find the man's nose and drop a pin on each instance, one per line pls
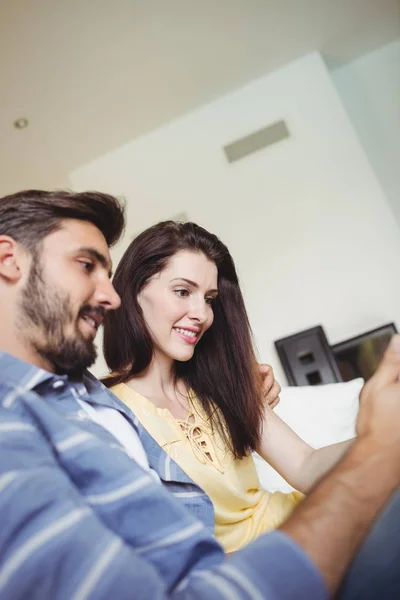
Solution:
(107, 296)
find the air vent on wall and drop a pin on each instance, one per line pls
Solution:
(258, 140)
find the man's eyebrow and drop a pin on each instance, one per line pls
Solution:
(192, 283)
(96, 255)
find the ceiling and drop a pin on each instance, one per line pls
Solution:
(91, 75)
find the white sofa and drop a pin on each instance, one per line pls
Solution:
(321, 415)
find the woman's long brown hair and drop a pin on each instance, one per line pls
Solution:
(223, 370)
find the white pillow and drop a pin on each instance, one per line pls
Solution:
(321, 415)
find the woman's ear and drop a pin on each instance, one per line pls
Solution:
(10, 255)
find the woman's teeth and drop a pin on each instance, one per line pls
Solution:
(186, 332)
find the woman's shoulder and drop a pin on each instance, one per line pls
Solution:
(128, 395)
(138, 403)
(121, 389)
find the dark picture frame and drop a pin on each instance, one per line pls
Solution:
(359, 356)
(307, 358)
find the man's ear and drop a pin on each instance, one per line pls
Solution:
(10, 258)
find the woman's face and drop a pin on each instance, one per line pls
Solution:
(177, 304)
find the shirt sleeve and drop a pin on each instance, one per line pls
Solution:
(81, 523)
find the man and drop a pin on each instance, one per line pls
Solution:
(79, 517)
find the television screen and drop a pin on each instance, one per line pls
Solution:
(360, 356)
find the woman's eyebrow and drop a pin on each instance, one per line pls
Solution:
(193, 284)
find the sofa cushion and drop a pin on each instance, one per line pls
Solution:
(321, 415)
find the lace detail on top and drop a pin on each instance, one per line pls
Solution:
(201, 442)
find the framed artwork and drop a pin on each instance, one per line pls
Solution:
(359, 356)
(307, 358)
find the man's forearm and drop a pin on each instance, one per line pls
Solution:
(332, 523)
(320, 462)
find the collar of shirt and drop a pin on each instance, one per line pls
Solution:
(28, 377)
(24, 375)
(87, 390)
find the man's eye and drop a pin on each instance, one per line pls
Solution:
(88, 266)
(182, 293)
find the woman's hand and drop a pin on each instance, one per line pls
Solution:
(270, 387)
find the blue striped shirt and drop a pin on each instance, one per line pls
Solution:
(79, 519)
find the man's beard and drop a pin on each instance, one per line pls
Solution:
(45, 315)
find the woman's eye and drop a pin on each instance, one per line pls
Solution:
(182, 293)
(210, 300)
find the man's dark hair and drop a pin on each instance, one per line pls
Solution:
(29, 216)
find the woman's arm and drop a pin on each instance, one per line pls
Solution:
(301, 465)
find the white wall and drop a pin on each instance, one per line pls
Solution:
(370, 91)
(306, 220)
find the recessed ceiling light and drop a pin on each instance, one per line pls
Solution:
(21, 123)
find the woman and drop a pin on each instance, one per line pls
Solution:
(182, 359)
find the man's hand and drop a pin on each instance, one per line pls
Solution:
(379, 414)
(270, 387)
(333, 520)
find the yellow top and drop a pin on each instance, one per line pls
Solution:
(242, 510)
